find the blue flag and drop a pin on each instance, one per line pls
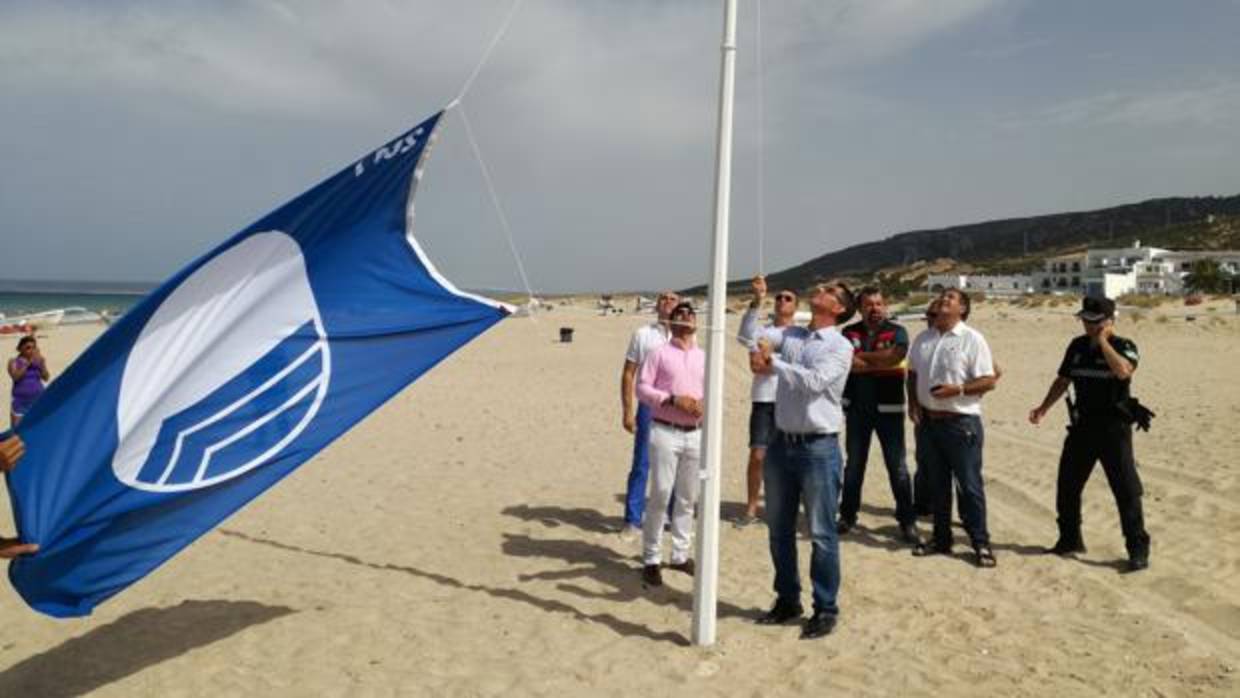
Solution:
(228, 376)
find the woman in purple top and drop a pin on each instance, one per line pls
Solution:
(28, 371)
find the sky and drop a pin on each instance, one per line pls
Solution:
(136, 135)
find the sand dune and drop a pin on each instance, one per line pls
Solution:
(461, 541)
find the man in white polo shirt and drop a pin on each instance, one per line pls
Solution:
(950, 368)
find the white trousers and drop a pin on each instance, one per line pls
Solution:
(675, 458)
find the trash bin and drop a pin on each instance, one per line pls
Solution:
(566, 334)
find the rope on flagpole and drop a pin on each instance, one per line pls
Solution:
(486, 55)
(499, 210)
(473, 144)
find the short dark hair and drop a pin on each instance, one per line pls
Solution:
(866, 292)
(28, 339)
(846, 298)
(964, 300)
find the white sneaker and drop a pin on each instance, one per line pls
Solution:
(630, 533)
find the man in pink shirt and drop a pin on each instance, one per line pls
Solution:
(672, 384)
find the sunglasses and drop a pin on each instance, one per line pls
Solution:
(785, 297)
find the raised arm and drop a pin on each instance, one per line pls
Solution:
(1121, 367)
(826, 368)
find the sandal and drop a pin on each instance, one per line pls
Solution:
(984, 557)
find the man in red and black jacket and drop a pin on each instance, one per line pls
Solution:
(874, 402)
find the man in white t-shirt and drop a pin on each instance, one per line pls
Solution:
(950, 368)
(636, 417)
(762, 396)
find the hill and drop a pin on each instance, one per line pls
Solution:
(1019, 244)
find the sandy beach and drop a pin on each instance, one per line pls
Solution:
(463, 541)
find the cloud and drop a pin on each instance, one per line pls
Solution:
(1010, 50)
(596, 118)
(1208, 104)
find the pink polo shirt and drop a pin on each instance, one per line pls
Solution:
(672, 369)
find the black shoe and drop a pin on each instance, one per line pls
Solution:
(1066, 547)
(687, 567)
(1138, 562)
(844, 526)
(782, 612)
(818, 625)
(651, 576)
(909, 534)
(924, 549)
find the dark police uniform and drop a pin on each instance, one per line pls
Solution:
(1098, 432)
(874, 402)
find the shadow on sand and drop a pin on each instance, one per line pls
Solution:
(130, 644)
(598, 562)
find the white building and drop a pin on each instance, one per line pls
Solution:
(1109, 272)
(989, 284)
(1062, 274)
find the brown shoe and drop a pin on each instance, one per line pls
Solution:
(651, 576)
(687, 567)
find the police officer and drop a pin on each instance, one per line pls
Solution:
(1099, 366)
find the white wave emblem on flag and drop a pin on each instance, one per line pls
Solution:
(230, 369)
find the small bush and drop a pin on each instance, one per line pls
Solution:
(1161, 319)
(1141, 300)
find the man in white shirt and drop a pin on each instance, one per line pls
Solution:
(762, 399)
(635, 416)
(950, 368)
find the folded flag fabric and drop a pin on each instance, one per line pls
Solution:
(231, 374)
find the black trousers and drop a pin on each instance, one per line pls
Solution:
(1110, 441)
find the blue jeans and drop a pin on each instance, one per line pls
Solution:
(890, 427)
(953, 447)
(805, 473)
(635, 492)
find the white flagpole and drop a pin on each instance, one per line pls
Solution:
(706, 580)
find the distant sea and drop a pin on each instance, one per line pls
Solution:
(21, 297)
